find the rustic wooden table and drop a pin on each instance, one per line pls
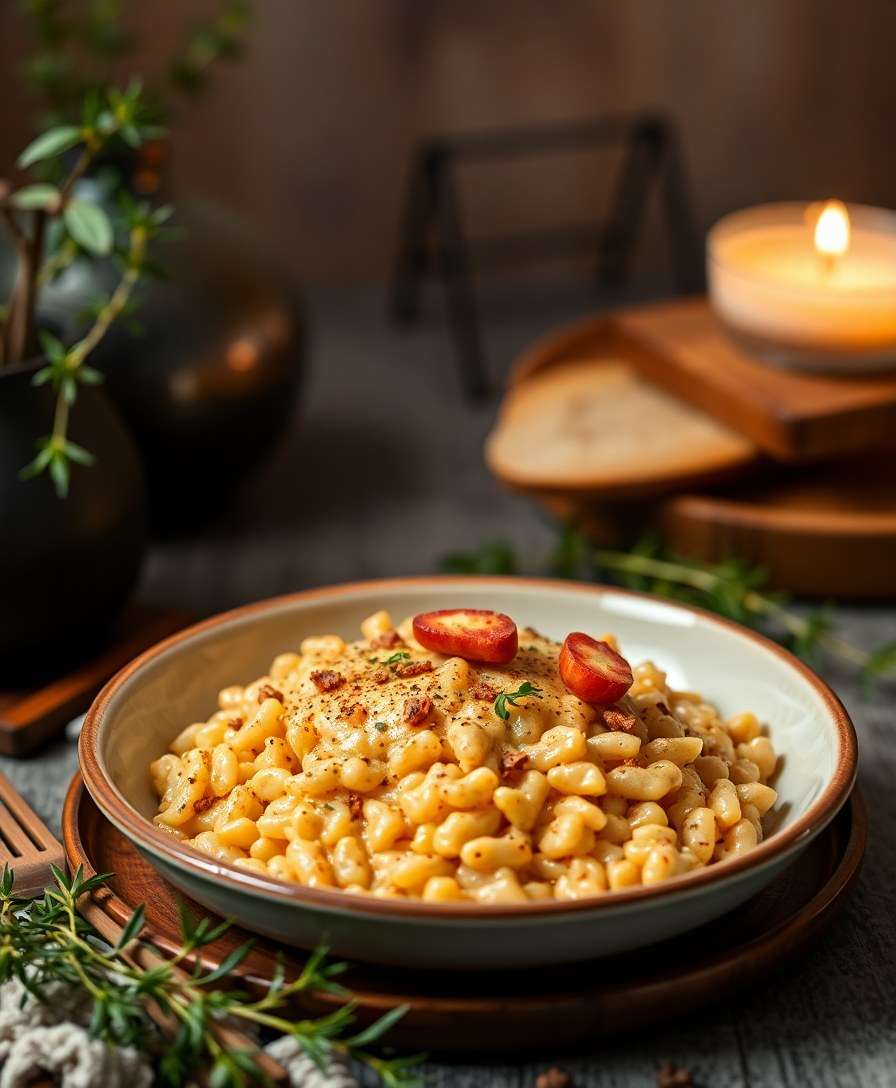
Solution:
(382, 474)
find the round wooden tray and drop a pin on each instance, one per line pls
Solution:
(828, 530)
(823, 529)
(521, 1010)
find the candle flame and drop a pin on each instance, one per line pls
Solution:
(832, 229)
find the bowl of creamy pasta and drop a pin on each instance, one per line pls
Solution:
(468, 772)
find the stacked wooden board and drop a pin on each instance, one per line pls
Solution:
(654, 417)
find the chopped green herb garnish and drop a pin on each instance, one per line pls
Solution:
(380, 727)
(401, 655)
(510, 697)
(373, 660)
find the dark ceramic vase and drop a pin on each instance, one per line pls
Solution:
(211, 383)
(67, 566)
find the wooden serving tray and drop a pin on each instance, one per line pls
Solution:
(527, 1010)
(829, 531)
(794, 416)
(825, 529)
(29, 716)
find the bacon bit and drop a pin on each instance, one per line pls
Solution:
(413, 668)
(513, 763)
(380, 676)
(483, 691)
(671, 1076)
(267, 691)
(387, 641)
(619, 720)
(327, 680)
(355, 805)
(355, 713)
(202, 804)
(554, 1078)
(417, 709)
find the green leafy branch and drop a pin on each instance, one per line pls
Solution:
(219, 38)
(48, 941)
(731, 588)
(86, 227)
(77, 44)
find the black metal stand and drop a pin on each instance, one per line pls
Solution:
(433, 238)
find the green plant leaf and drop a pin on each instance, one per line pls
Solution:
(78, 454)
(52, 346)
(52, 142)
(493, 557)
(39, 195)
(881, 663)
(89, 225)
(88, 375)
(374, 1031)
(59, 473)
(40, 462)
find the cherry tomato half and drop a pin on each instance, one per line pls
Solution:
(471, 633)
(593, 670)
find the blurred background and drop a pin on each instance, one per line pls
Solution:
(291, 432)
(309, 137)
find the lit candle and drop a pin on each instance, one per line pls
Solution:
(812, 287)
(832, 234)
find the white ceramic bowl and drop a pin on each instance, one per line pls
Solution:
(146, 704)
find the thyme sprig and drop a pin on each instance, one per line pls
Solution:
(510, 698)
(47, 941)
(731, 588)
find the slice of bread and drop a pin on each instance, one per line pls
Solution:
(594, 425)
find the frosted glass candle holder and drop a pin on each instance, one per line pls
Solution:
(794, 306)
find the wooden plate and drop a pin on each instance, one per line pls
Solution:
(31, 714)
(827, 531)
(794, 416)
(541, 1009)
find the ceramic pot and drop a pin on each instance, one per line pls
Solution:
(67, 566)
(210, 384)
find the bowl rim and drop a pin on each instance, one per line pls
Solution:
(145, 835)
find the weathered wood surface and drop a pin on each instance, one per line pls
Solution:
(383, 474)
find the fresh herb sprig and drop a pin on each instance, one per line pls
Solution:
(47, 941)
(398, 656)
(731, 588)
(509, 698)
(81, 227)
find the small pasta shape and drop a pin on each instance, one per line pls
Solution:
(381, 768)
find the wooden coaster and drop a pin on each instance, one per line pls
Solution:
(792, 416)
(28, 717)
(578, 421)
(518, 1011)
(826, 531)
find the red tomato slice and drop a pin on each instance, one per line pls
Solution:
(593, 670)
(472, 633)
